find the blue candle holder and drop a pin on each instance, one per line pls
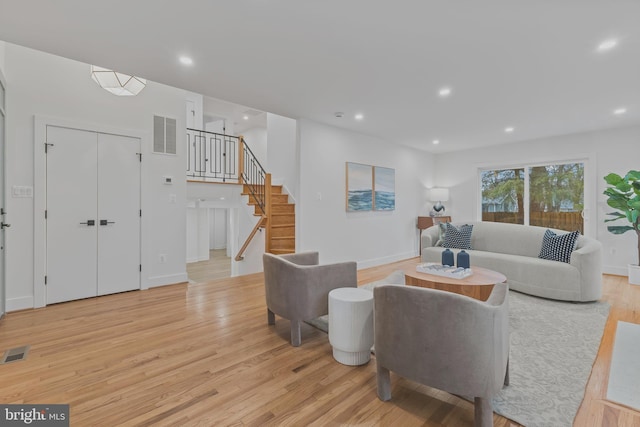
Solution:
(447, 257)
(463, 260)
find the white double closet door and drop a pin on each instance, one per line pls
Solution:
(93, 214)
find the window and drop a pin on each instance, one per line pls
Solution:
(553, 195)
(503, 195)
(556, 196)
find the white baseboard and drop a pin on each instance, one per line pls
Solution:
(170, 279)
(22, 303)
(386, 260)
(617, 270)
(197, 259)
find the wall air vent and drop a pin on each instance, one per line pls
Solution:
(164, 135)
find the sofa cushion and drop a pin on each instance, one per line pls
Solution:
(458, 237)
(442, 231)
(558, 247)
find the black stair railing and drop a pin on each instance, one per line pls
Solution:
(254, 176)
(212, 156)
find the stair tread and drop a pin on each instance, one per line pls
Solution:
(282, 225)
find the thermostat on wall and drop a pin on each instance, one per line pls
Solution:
(168, 180)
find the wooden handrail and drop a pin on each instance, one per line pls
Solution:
(259, 224)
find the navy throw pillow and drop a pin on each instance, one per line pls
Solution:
(458, 237)
(558, 247)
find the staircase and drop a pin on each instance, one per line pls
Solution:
(281, 222)
(219, 158)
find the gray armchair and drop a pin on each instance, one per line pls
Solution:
(297, 288)
(443, 340)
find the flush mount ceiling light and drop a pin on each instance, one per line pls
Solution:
(444, 92)
(185, 60)
(619, 111)
(245, 117)
(359, 116)
(117, 83)
(509, 129)
(435, 142)
(607, 45)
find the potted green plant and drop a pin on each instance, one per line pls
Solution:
(624, 196)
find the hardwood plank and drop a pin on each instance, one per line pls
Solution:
(203, 354)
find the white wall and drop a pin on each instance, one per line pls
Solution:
(256, 139)
(194, 109)
(282, 152)
(616, 150)
(197, 233)
(370, 238)
(2, 50)
(192, 234)
(218, 228)
(45, 85)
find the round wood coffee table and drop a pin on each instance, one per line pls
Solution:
(479, 285)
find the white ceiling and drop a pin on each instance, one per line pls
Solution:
(530, 64)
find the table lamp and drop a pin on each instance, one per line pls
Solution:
(438, 195)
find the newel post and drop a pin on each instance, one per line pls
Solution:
(240, 159)
(267, 212)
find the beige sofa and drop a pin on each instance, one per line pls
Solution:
(513, 249)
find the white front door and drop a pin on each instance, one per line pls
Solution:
(93, 222)
(3, 295)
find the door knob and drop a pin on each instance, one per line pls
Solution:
(4, 225)
(105, 222)
(90, 222)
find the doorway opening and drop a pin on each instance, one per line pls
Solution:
(208, 251)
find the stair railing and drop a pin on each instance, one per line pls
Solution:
(253, 175)
(258, 182)
(212, 156)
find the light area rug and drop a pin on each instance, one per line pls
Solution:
(624, 375)
(553, 347)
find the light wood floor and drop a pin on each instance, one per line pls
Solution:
(203, 354)
(218, 266)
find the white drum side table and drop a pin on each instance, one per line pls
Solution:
(351, 325)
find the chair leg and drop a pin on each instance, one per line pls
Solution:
(271, 317)
(483, 412)
(384, 383)
(506, 375)
(296, 338)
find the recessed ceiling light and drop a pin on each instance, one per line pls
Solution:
(359, 116)
(221, 198)
(444, 92)
(185, 60)
(435, 142)
(509, 129)
(245, 117)
(339, 114)
(619, 111)
(607, 45)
